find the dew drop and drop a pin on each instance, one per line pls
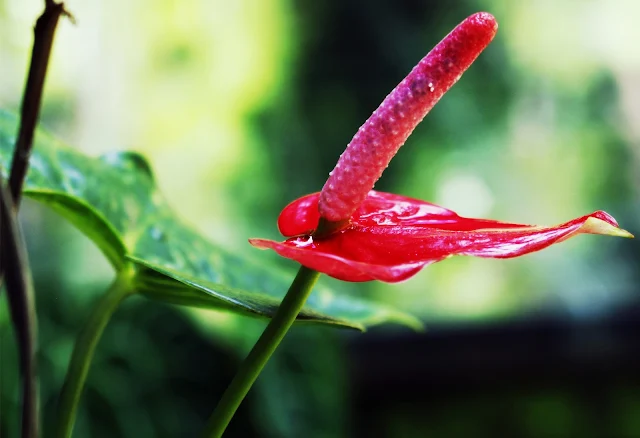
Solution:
(156, 233)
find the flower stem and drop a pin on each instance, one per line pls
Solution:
(263, 349)
(83, 353)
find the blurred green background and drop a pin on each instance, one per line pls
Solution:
(243, 106)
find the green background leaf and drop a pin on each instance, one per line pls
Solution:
(113, 200)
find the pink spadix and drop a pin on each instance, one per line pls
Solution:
(378, 140)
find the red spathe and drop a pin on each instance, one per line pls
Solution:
(391, 237)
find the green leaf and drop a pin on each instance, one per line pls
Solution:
(113, 200)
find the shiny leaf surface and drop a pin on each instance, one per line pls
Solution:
(114, 201)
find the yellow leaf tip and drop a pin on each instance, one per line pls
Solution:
(597, 226)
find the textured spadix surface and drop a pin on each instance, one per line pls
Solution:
(378, 140)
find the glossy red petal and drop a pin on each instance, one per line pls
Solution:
(306, 252)
(392, 237)
(300, 216)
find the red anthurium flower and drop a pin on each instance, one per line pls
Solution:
(391, 237)
(353, 233)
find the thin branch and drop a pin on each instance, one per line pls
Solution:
(14, 263)
(13, 260)
(32, 97)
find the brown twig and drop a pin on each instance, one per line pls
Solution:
(14, 264)
(32, 97)
(13, 261)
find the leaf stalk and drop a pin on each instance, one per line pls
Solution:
(84, 349)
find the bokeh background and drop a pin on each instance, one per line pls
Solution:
(243, 106)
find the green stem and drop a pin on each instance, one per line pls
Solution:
(83, 353)
(263, 349)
